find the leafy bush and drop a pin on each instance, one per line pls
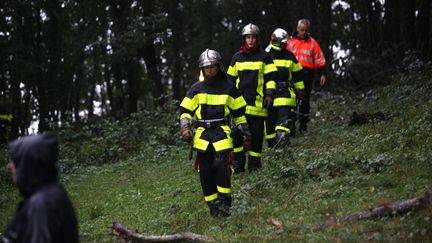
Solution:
(102, 141)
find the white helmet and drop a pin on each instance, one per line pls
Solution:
(210, 57)
(279, 36)
(250, 29)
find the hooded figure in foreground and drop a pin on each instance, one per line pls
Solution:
(45, 213)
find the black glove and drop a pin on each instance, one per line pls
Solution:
(300, 94)
(268, 101)
(247, 136)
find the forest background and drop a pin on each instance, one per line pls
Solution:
(68, 62)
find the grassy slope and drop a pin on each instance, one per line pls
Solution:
(333, 170)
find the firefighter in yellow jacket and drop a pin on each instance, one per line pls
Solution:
(213, 101)
(252, 71)
(280, 123)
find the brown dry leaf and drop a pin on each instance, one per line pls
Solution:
(276, 223)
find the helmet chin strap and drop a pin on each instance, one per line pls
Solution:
(201, 76)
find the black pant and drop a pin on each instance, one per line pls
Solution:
(305, 105)
(215, 171)
(256, 127)
(280, 116)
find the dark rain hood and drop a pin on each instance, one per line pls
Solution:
(35, 159)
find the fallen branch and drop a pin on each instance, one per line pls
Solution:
(129, 235)
(386, 210)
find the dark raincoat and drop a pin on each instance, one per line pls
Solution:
(45, 213)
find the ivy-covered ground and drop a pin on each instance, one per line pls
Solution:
(136, 172)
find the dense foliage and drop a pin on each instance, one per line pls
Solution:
(69, 61)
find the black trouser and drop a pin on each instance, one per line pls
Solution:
(256, 127)
(305, 105)
(270, 125)
(281, 116)
(215, 176)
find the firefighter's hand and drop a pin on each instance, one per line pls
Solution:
(268, 101)
(247, 143)
(187, 135)
(323, 80)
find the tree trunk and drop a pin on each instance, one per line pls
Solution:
(177, 63)
(408, 25)
(325, 27)
(40, 79)
(149, 53)
(391, 21)
(423, 29)
(109, 89)
(16, 107)
(132, 73)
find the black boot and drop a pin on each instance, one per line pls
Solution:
(214, 207)
(254, 163)
(225, 205)
(303, 127)
(292, 127)
(239, 163)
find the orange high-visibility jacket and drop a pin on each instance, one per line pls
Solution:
(307, 51)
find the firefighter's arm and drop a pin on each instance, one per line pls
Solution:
(232, 72)
(185, 127)
(298, 77)
(269, 72)
(187, 108)
(237, 105)
(322, 72)
(320, 63)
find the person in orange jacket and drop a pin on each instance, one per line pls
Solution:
(309, 54)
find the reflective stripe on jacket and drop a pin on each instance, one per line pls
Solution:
(307, 51)
(289, 76)
(253, 75)
(213, 101)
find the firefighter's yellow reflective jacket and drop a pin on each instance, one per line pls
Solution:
(253, 76)
(288, 77)
(214, 101)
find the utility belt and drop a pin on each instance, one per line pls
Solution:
(211, 123)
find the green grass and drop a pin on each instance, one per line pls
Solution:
(332, 170)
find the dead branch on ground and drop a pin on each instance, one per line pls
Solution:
(385, 210)
(129, 235)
